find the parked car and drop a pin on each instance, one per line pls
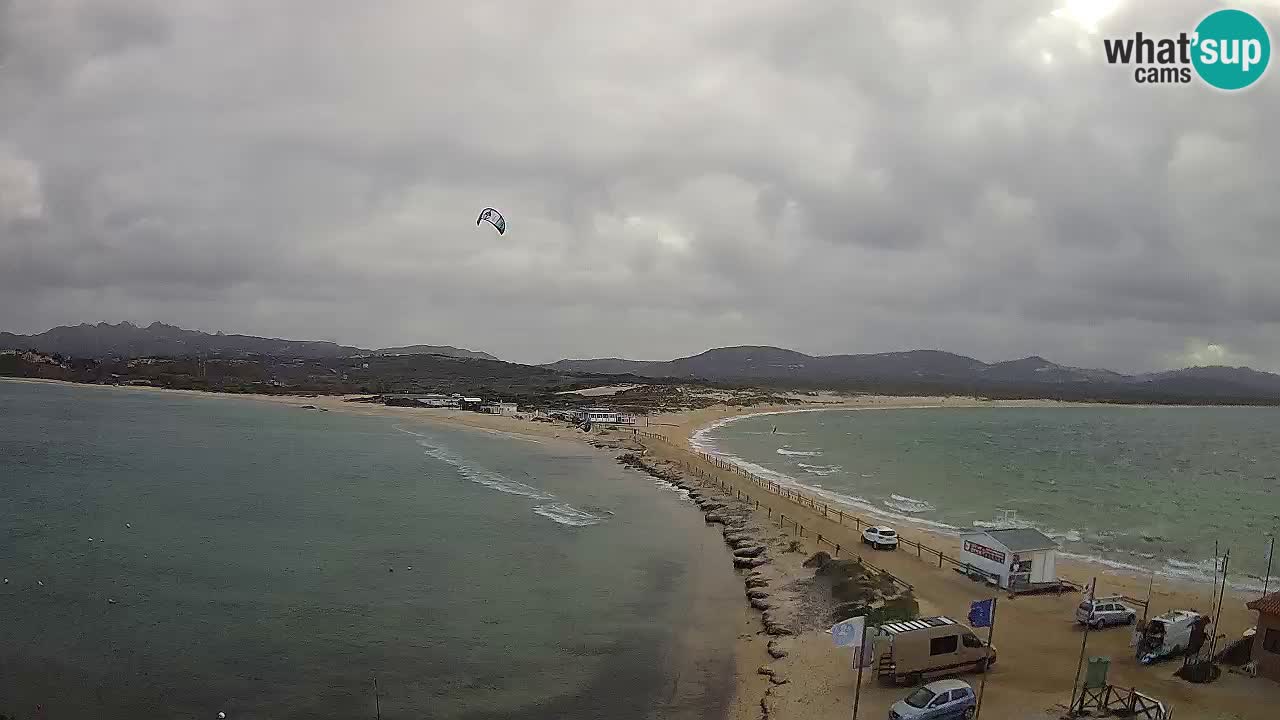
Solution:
(939, 700)
(880, 538)
(1101, 612)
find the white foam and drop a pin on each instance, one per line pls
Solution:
(821, 470)
(905, 504)
(784, 450)
(566, 514)
(487, 478)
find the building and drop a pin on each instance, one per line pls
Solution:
(470, 403)
(602, 416)
(499, 408)
(1015, 558)
(1266, 641)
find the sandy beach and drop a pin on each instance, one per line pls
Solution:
(1038, 640)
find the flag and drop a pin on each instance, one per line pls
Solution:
(980, 612)
(848, 633)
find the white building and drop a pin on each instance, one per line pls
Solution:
(1017, 557)
(498, 408)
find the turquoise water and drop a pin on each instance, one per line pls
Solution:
(269, 562)
(1145, 488)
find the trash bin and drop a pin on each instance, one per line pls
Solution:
(1095, 675)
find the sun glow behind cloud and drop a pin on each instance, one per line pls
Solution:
(1086, 13)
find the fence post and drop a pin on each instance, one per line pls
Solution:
(837, 549)
(919, 552)
(939, 558)
(781, 518)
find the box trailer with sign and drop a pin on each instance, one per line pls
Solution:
(1015, 559)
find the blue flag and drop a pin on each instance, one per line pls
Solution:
(980, 612)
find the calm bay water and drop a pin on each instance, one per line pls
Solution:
(269, 561)
(1149, 488)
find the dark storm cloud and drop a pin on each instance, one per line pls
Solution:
(823, 175)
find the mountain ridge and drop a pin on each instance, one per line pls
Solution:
(126, 340)
(768, 363)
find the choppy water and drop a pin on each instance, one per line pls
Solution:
(249, 549)
(1146, 488)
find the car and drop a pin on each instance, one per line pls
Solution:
(880, 538)
(939, 700)
(1101, 612)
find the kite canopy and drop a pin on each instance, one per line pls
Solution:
(494, 218)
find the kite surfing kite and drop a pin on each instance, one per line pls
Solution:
(495, 218)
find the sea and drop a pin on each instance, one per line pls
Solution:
(179, 556)
(1165, 490)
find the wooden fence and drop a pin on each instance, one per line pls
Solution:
(834, 514)
(1123, 702)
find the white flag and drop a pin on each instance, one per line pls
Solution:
(848, 633)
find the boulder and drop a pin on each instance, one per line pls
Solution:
(776, 651)
(817, 560)
(749, 562)
(749, 552)
(758, 582)
(759, 604)
(844, 568)
(775, 676)
(756, 593)
(844, 611)
(745, 542)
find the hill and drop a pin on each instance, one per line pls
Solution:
(126, 340)
(935, 371)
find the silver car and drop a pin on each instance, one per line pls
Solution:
(1101, 612)
(939, 700)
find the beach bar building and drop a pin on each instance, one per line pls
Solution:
(1013, 558)
(1266, 640)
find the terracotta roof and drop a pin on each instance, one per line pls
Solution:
(1269, 604)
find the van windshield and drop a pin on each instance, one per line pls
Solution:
(920, 697)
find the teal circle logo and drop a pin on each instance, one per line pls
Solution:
(1232, 49)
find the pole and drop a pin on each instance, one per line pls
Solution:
(1271, 551)
(377, 701)
(1151, 584)
(1213, 644)
(986, 665)
(862, 653)
(1084, 642)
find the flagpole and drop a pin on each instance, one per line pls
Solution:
(862, 653)
(1093, 586)
(986, 665)
(1266, 584)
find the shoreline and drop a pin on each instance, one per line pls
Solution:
(698, 442)
(1040, 674)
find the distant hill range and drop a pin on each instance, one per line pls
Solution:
(126, 340)
(935, 371)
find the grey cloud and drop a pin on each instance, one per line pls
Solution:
(823, 175)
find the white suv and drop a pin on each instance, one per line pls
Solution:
(880, 538)
(1101, 612)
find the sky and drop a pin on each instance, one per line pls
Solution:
(824, 175)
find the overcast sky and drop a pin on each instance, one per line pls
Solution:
(828, 176)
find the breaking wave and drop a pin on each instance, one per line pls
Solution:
(566, 514)
(785, 450)
(905, 504)
(821, 470)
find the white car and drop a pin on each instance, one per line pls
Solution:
(880, 538)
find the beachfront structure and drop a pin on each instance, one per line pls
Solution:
(1266, 640)
(499, 408)
(602, 416)
(470, 403)
(1013, 558)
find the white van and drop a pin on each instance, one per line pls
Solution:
(914, 649)
(1173, 633)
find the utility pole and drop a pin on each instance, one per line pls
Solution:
(986, 665)
(1084, 642)
(862, 655)
(377, 701)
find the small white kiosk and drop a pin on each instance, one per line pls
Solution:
(1015, 558)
